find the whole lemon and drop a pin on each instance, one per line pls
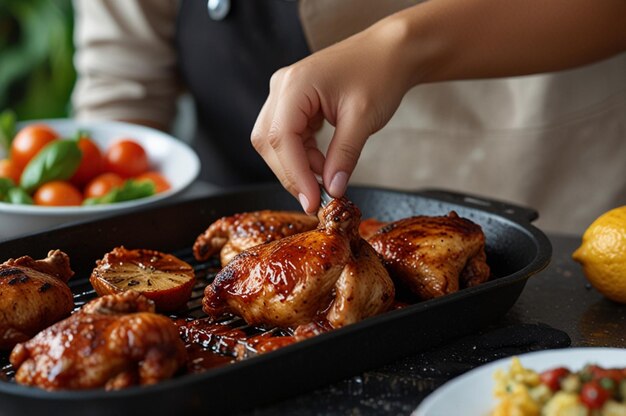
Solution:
(603, 254)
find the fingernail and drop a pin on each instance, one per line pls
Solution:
(338, 184)
(304, 201)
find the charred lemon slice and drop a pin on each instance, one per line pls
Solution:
(162, 277)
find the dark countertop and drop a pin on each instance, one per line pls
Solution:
(561, 297)
(558, 297)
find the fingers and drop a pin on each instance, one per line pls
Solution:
(315, 156)
(351, 133)
(283, 136)
(288, 138)
(286, 141)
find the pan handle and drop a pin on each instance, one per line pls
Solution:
(500, 207)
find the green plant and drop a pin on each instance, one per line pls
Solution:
(36, 51)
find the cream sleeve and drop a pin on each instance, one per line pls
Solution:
(125, 60)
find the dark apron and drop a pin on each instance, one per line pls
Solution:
(226, 65)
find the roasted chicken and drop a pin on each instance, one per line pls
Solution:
(370, 226)
(33, 295)
(329, 274)
(230, 236)
(114, 341)
(433, 255)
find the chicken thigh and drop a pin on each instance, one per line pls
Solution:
(328, 274)
(433, 255)
(114, 342)
(33, 295)
(231, 235)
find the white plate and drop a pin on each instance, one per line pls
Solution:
(174, 159)
(471, 394)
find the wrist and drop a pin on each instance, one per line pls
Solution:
(418, 51)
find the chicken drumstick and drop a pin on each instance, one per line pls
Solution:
(329, 273)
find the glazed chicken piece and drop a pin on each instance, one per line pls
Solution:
(236, 233)
(33, 295)
(433, 255)
(329, 273)
(370, 226)
(114, 342)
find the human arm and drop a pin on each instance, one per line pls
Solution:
(358, 83)
(126, 61)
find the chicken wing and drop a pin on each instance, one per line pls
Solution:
(114, 342)
(433, 255)
(33, 295)
(328, 273)
(231, 235)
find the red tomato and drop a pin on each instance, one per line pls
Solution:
(8, 169)
(29, 141)
(593, 395)
(91, 163)
(58, 193)
(552, 378)
(598, 372)
(160, 183)
(102, 184)
(126, 158)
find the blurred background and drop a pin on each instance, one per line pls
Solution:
(36, 50)
(36, 63)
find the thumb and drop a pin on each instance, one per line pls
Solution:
(343, 153)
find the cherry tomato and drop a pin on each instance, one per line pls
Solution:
(160, 183)
(91, 163)
(58, 193)
(29, 141)
(127, 158)
(593, 395)
(600, 372)
(102, 184)
(552, 378)
(8, 169)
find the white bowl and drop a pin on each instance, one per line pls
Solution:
(174, 159)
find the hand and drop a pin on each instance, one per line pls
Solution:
(356, 85)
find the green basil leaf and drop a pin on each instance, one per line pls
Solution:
(134, 190)
(19, 196)
(7, 129)
(5, 185)
(130, 190)
(56, 161)
(13, 194)
(80, 134)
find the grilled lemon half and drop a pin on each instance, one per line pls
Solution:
(161, 277)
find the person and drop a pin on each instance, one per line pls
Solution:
(522, 101)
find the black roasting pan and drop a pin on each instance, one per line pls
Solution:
(516, 250)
